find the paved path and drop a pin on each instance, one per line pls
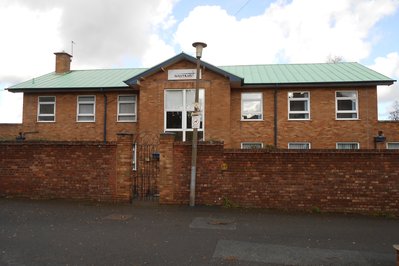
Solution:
(71, 233)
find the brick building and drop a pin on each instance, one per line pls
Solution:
(318, 106)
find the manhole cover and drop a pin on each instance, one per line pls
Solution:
(117, 217)
(213, 223)
(220, 222)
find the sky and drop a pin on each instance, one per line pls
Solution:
(130, 34)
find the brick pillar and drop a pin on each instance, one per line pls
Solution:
(396, 247)
(124, 157)
(166, 173)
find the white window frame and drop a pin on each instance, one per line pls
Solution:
(48, 115)
(356, 98)
(86, 102)
(291, 144)
(134, 101)
(307, 112)
(246, 113)
(251, 143)
(393, 142)
(184, 111)
(346, 143)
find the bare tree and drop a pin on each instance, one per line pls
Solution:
(394, 115)
(334, 59)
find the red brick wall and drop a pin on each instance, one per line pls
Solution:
(9, 131)
(66, 128)
(326, 180)
(73, 170)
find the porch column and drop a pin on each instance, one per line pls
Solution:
(166, 173)
(124, 157)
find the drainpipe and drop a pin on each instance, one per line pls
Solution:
(105, 118)
(275, 117)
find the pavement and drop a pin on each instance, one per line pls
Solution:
(75, 233)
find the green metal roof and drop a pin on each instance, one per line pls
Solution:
(306, 73)
(97, 78)
(259, 75)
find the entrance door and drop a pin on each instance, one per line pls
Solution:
(146, 166)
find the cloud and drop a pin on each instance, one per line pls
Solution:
(389, 66)
(287, 31)
(10, 107)
(107, 33)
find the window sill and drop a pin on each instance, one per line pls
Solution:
(347, 119)
(126, 121)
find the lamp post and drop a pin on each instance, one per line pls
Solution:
(195, 116)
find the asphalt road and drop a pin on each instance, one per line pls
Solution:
(73, 233)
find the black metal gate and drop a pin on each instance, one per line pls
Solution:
(146, 166)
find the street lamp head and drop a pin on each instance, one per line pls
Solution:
(199, 46)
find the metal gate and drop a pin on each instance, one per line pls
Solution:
(145, 166)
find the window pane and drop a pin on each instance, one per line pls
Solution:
(254, 145)
(46, 118)
(86, 108)
(299, 116)
(351, 94)
(299, 146)
(46, 109)
(393, 145)
(190, 99)
(46, 99)
(86, 99)
(174, 99)
(126, 118)
(346, 105)
(251, 106)
(174, 120)
(298, 106)
(86, 118)
(127, 98)
(298, 95)
(346, 115)
(126, 108)
(251, 96)
(348, 146)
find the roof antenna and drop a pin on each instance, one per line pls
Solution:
(72, 43)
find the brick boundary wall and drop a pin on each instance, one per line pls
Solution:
(67, 170)
(364, 181)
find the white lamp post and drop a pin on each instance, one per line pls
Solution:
(198, 46)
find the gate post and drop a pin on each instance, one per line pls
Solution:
(166, 178)
(124, 167)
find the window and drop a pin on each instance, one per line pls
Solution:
(299, 145)
(251, 106)
(127, 108)
(347, 145)
(86, 108)
(179, 105)
(346, 105)
(298, 105)
(393, 145)
(251, 145)
(46, 109)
